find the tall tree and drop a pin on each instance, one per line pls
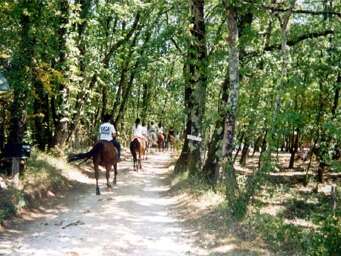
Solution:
(230, 118)
(195, 92)
(20, 74)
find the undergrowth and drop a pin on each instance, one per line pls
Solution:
(304, 225)
(40, 178)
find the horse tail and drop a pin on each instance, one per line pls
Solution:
(134, 145)
(96, 149)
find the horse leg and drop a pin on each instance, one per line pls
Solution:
(135, 165)
(139, 161)
(144, 153)
(107, 175)
(96, 176)
(115, 173)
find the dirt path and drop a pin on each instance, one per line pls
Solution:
(132, 219)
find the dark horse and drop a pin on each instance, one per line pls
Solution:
(138, 150)
(161, 141)
(171, 142)
(104, 154)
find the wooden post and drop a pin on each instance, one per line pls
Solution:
(333, 194)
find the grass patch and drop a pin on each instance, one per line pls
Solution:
(41, 179)
(291, 239)
(43, 176)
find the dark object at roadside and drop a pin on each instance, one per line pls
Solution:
(11, 153)
(17, 150)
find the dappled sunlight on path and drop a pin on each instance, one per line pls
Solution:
(131, 219)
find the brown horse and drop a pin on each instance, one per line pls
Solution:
(103, 153)
(161, 141)
(171, 142)
(137, 148)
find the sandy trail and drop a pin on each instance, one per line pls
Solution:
(132, 219)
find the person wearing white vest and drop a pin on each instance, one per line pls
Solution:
(107, 132)
(138, 129)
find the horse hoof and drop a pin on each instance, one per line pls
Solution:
(97, 192)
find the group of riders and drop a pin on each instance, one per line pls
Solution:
(148, 136)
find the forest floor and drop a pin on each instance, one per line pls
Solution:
(286, 216)
(139, 216)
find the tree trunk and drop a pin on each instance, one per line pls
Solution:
(121, 111)
(104, 102)
(20, 76)
(244, 155)
(254, 181)
(181, 163)
(2, 126)
(93, 80)
(145, 101)
(60, 100)
(293, 148)
(239, 147)
(41, 108)
(230, 118)
(214, 155)
(197, 78)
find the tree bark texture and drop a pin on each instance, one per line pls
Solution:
(197, 78)
(231, 111)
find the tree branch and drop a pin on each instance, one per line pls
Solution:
(278, 9)
(115, 46)
(294, 41)
(291, 42)
(275, 9)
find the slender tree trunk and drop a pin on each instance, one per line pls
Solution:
(239, 147)
(263, 147)
(60, 100)
(41, 110)
(181, 164)
(244, 154)
(20, 76)
(104, 101)
(2, 125)
(337, 147)
(93, 80)
(214, 155)
(145, 101)
(253, 182)
(293, 148)
(120, 115)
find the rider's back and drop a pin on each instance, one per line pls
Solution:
(106, 131)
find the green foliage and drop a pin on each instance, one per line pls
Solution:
(279, 235)
(76, 61)
(8, 200)
(327, 238)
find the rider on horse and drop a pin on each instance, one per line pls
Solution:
(171, 132)
(160, 129)
(138, 131)
(144, 130)
(160, 137)
(107, 132)
(152, 135)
